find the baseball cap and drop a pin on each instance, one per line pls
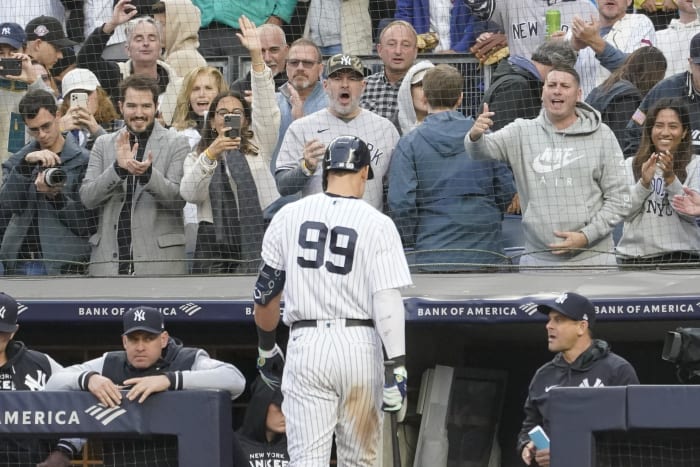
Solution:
(8, 313)
(344, 62)
(79, 78)
(695, 49)
(13, 35)
(418, 76)
(143, 318)
(48, 29)
(571, 305)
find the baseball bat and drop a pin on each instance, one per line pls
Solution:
(395, 452)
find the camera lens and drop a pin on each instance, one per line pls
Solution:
(54, 177)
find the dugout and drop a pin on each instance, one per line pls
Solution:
(461, 320)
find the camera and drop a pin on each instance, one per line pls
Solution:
(682, 347)
(54, 177)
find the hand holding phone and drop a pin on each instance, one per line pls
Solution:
(539, 438)
(10, 67)
(78, 99)
(232, 121)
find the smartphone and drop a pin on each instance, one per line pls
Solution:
(233, 121)
(78, 99)
(10, 66)
(539, 438)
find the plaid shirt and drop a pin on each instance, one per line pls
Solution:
(380, 96)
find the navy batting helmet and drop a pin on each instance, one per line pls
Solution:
(347, 153)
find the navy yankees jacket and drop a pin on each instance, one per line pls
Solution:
(596, 367)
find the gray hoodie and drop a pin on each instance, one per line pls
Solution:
(568, 180)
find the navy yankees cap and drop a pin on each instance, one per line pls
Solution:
(143, 318)
(13, 35)
(571, 305)
(8, 313)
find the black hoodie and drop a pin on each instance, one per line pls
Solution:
(596, 367)
(253, 449)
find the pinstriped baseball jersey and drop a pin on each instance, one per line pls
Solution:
(378, 132)
(337, 252)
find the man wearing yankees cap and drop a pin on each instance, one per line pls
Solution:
(152, 361)
(580, 361)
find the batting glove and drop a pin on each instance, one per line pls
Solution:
(395, 391)
(270, 365)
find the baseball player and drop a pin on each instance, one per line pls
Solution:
(345, 264)
(298, 164)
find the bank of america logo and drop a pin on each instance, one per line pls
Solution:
(190, 308)
(21, 308)
(529, 308)
(104, 414)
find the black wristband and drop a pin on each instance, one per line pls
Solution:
(175, 378)
(84, 379)
(67, 448)
(399, 361)
(267, 339)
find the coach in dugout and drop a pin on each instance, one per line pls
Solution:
(151, 362)
(581, 361)
(22, 369)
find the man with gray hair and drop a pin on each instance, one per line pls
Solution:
(516, 84)
(143, 47)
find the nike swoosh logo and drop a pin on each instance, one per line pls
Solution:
(321, 131)
(554, 159)
(549, 388)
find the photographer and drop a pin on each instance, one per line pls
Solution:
(48, 228)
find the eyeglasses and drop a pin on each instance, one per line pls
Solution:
(305, 63)
(45, 128)
(224, 112)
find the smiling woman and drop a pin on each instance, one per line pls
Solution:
(664, 164)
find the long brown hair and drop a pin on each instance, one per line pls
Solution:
(683, 153)
(184, 117)
(209, 135)
(644, 67)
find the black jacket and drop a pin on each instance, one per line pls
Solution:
(596, 367)
(514, 93)
(616, 105)
(24, 370)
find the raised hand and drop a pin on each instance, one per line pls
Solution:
(123, 12)
(482, 124)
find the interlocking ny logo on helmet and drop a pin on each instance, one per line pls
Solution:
(348, 153)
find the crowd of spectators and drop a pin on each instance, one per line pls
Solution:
(164, 167)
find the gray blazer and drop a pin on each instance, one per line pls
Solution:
(157, 228)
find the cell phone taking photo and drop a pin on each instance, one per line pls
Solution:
(78, 99)
(233, 122)
(10, 67)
